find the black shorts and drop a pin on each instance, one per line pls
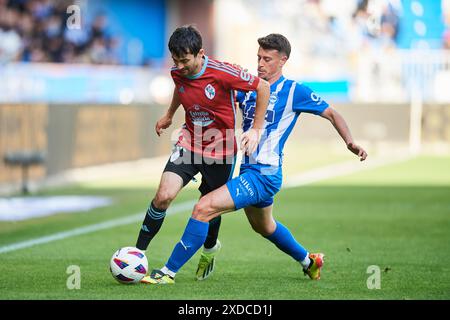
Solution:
(186, 164)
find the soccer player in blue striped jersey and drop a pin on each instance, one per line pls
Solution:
(260, 175)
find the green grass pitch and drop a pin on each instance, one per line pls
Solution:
(395, 217)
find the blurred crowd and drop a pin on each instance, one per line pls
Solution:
(368, 24)
(35, 31)
(361, 24)
(378, 21)
(446, 8)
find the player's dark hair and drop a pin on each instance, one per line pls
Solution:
(275, 41)
(184, 40)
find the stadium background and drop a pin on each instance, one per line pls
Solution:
(83, 103)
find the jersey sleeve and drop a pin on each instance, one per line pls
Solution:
(174, 76)
(305, 100)
(237, 79)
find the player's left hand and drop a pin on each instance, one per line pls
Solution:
(359, 151)
(250, 140)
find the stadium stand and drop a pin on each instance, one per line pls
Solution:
(35, 31)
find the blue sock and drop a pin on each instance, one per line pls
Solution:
(284, 240)
(193, 238)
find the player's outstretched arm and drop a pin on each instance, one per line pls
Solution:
(341, 127)
(250, 138)
(166, 120)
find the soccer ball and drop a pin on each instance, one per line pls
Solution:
(128, 265)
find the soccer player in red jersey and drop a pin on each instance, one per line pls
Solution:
(205, 87)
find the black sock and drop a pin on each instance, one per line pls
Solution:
(152, 223)
(213, 232)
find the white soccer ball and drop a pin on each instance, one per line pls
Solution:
(129, 265)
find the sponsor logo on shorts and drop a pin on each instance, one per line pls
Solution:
(247, 186)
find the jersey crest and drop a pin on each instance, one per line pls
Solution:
(210, 92)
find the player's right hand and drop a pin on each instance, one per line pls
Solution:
(162, 124)
(250, 140)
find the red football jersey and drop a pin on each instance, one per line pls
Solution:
(208, 99)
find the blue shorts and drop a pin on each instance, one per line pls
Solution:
(255, 186)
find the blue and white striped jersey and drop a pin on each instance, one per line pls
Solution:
(288, 99)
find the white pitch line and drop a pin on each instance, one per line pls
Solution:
(341, 169)
(312, 176)
(187, 205)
